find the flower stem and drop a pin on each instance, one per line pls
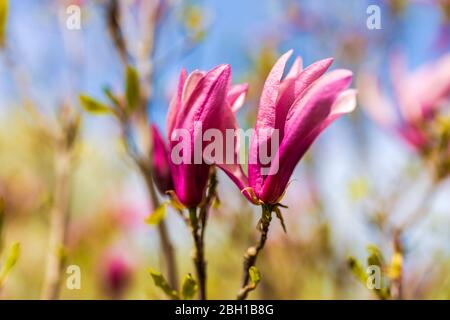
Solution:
(252, 253)
(199, 253)
(198, 227)
(58, 226)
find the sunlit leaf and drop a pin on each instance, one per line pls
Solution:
(396, 266)
(93, 106)
(216, 203)
(161, 283)
(132, 91)
(255, 275)
(357, 269)
(189, 287)
(375, 256)
(3, 20)
(157, 216)
(10, 261)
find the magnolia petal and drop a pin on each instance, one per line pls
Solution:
(235, 173)
(265, 119)
(175, 104)
(324, 90)
(375, 103)
(236, 96)
(160, 162)
(190, 181)
(405, 88)
(191, 83)
(433, 84)
(317, 109)
(344, 103)
(296, 68)
(269, 96)
(292, 88)
(203, 105)
(308, 76)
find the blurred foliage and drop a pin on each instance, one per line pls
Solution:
(189, 287)
(109, 206)
(3, 20)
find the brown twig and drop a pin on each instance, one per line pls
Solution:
(396, 285)
(167, 247)
(63, 162)
(252, 253)
(199, 254)
(58, 224)
(143, 160)
(198, 227)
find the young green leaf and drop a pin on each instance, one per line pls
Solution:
(189, 287)
(357, 269)
(255, 275)
(161, 283)
(132, 90)
(395, 268)
(157, 216)
(93, 106)
(375, 256)
(11, 260)
(3, 21)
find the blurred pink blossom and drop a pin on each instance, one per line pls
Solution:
(418, 96)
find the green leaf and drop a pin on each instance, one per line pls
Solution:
(161, 283)
(93, 106)
(157, 216)
(3, 21)
(132, 90)
(189, 287)
(11, 260)
(375, 257)
(255, 275)
(357, 269)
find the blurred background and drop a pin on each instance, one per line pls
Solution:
(357, 183)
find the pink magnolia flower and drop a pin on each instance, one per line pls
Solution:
(208, 99)
(161, 167)
(418, 96)
(299, 107)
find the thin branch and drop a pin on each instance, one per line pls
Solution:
(143, 160)
(198, 227)
(252, 253)
(59, 216)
